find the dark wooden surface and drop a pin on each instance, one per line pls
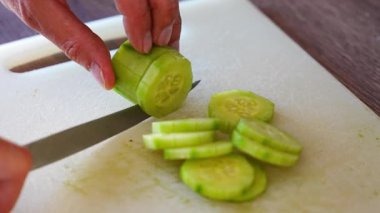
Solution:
(342, 35)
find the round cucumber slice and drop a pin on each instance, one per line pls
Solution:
(230, 106)
(202, 151)
(258, 187)
(185, 125)
(130, 66)
(269, 135)
(165, 85)
(220, 178)
(262, 152)
(176, 140)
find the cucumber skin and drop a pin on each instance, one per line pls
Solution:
(130, 66)
(154, 76)
(263, 153)
(225, 192)
(185, 125)
(200, 151)
(258, 187)
(158, 141)
(264, 112)
(244, 128)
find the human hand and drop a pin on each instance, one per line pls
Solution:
(146, 22)
(15, 163)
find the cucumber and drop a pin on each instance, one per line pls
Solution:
(262, 152)
(220, 178)
(230, 106)
(130, 66)
(176, 140)
(185, 125)
(269, 135)
(257, 188)
(202, 151)
(165, 85)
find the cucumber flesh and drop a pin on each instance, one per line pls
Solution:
(269, 135)
(185, 125)
(130, 66)
(258, 187)
(165, 85)
(220, 178)
(176, 140)
(262, 152)
(230, 106)
(202, 151)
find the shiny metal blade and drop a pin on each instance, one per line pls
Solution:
(75, 139)
(60, 145)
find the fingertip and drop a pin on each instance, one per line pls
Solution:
(147, 43)
(175, 45)
(28, 161)
(164, 37)
(109, 80)
(104, 75)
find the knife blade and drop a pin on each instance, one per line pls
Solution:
(70, 141)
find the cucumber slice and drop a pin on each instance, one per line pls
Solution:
(203, 151)
(262, 152)
(258, 187)
(269, 135)
(220, 178)
(185, 125)
(230, 106)
(130, 66)
(165, 85)
(176, 140)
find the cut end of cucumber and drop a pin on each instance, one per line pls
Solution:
(158, 81)
(130, 66)
(258, 187)
(230, 106)
(220, 178)
(165, 85)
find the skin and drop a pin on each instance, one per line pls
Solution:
(15, 163)
(146, 23)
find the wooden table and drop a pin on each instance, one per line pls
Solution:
(343, 35)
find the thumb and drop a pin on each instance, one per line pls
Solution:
(15, 163)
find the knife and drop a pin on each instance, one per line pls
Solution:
(70, 141)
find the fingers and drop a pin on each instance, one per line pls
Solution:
(174, 40)
(149, 22)
(15, 163)
(166, 21)
(55, 21)
(137, 23)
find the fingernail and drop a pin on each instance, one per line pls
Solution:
(147, 43)
(98, 74)
(175, 45)
(165, 35)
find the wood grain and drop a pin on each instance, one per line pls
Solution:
(342, 35)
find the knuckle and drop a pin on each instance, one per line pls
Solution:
(72, 49)
(168, 6)
(25, 11)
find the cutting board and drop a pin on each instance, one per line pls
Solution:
(231, 46)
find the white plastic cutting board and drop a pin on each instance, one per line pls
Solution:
(231, 46)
